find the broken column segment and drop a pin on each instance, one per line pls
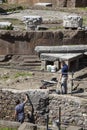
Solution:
(32, 21)
(72, 21)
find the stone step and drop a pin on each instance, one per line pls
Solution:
(74, 128)
(4, 63)
(30, 56)
(30, 64)
(28, 61)
(24, 58)
(31, 61)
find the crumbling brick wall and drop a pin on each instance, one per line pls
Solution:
(71, 3)
(60, 3)
(19, 1)
(12, 42)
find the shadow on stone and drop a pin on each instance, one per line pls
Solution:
(80, 90)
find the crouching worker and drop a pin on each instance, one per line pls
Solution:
(19, 110)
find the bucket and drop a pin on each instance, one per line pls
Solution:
(49, 68)
(53, 68)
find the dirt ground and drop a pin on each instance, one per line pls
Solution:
(25, 79)
(13, 79)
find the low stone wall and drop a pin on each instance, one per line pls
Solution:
(9, 124)
(39, 102)
(19, 126)
(73, 109)
(15, 42)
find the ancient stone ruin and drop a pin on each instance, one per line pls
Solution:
(72, 21)
(60, 3)
(6, 25)
(54, 54)
(32, 22)
(73, 109)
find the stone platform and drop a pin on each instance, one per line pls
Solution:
(54, 54)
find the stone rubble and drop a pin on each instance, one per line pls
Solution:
(72, 108)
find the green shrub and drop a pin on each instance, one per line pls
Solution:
(9, 27)
(4, 1)
(14, 8)
(23, 74)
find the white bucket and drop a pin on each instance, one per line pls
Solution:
(49, 68)
(53, 68)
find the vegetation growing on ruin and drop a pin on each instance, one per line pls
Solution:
(10, 7)
(16, 75)
(14, 21)
(5, 77)
(7, 28)
(23, 74)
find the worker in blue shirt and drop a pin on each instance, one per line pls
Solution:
(19, 110)
(64, 77)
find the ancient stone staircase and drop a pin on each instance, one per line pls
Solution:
(26, 61)
(4, 60)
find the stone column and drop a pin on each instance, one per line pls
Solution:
(56, 63)
(43, 64)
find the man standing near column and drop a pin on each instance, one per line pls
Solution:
(64, 77)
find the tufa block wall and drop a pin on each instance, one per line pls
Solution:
(17, 42)
(60, 3)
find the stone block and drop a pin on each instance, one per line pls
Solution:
(27, 126)
(41, 127)
(74, 128)
(72, 21)
(61, 3)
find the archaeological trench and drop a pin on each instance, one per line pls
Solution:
(13, 45)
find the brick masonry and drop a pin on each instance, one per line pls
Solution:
(25, 42)
(61, 3)
(73, 109)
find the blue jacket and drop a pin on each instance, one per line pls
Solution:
(64, 70)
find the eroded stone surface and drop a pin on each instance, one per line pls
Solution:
(71, 107)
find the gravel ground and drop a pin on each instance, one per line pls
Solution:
(46, 14)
